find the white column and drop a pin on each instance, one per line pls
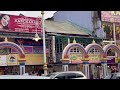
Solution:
(104, 69)
(119, 66)
(65, 68)
(53, 49)
(93, 68)
(86, 69)
(22, 68)
(114, 35)
(68, 40)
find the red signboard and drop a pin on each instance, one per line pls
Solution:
(110, 16)
(23, 24)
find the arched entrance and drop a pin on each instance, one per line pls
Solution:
(95, 53)
(112, 46)
(68, 48)
(7, 44)
(116, 49)
(73, 52)
(13, 45)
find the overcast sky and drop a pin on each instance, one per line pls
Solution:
(30, 13)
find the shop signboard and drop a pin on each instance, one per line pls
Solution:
(110, 16)
(34, 59)
(75, 58)
(22, 24)
(12, 59)
(94, 58)
(3, 60)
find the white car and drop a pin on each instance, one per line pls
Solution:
(22, 77)
(113, 76)
(67, 75)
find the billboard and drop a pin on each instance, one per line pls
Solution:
(110, 16)
(23, 24)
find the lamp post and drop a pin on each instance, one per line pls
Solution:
(44, 44)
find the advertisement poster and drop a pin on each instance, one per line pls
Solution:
(108, 30)
(23, 24)
(12, 59)
(110, 16)
(3, 60)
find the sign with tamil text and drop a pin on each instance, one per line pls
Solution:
(110, 16)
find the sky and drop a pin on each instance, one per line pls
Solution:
(47, 14)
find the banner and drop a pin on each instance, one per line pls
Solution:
(28, 42)
(12, 59)
(34, 59)
(3, 60)
(26, 49)
(110, 16)
(22, 24)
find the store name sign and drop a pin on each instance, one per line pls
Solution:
(110, 16)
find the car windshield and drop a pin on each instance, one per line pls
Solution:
(51, 75)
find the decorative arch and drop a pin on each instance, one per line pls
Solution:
(13, 45)
(72, 45)
(111, 46)
(96, 46)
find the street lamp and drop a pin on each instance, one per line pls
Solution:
(36, 38)
(44, 44)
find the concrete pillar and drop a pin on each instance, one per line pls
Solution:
(68, 40)
(93, 68)
(65, 67)
(22, 68)
(104, 68)
(53, 49)
(119, 66)
(86, 69)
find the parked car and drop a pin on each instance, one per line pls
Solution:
(113, 76)
(22, 77)
(67, 75)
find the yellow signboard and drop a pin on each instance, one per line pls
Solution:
(12, 59)
(75, 56)
(31, 59)
(34, 59)
(94, 58)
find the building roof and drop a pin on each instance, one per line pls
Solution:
(66, 27)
